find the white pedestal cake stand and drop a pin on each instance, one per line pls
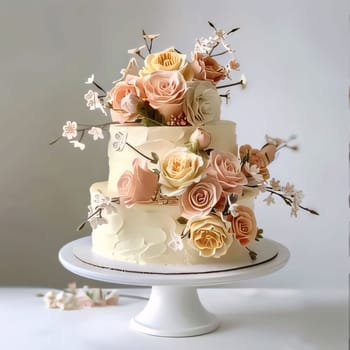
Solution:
(174, 308)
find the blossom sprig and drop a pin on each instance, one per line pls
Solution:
(100, 205)
(289, 194)
(242, 82)
(95, 100)
(208, 45)
(281, 143)
(73, 130)
(73, 298)
(148, 39)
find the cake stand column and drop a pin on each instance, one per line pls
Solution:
(174, 312)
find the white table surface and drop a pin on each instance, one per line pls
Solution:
(281, 319)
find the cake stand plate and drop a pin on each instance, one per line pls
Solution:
(174, 308)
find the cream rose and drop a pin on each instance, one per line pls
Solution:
(200, 198)
(165, 91)
(202, 102)
(180, 168)
(207, 68)
(243, 225)
(139, 186)
(226, 168)
(168, 60)
(209, 236)
(126, 94)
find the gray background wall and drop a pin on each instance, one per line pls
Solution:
(295, 55)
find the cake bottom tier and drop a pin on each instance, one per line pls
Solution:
(150, 234)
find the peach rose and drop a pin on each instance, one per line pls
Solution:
(179, 169)
(202, 102)
(226, 168)
(168, 60)
(200, 139)
(200, 198)
(165, 91)
(244, 151)
(126, 95)
(209, 236)
(243, 224)
(255, 157)
(139, 186)
(207, 68)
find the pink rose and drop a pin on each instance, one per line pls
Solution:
(126, 95)
(221, 204)
(165, 92)
(200, 139)
(243, 225)
(139, 186)
(200, 198)
(226, 168)
(207, 68)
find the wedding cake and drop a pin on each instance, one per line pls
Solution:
(179, 190)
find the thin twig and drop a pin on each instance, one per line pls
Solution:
(229, 85)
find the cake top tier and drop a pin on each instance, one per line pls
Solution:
(169, 87)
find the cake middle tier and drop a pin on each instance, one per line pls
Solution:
(126, 141)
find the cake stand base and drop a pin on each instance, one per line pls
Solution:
(188, 316)
(174, 308)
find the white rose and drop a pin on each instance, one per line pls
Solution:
(202, 102)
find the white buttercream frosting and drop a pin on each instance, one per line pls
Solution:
(151, 233)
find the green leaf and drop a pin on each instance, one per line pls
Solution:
(90, 295)
(155, 157)
(149, 116)
(181, 220)
(253, 255)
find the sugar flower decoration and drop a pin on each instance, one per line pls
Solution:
(96, 133)
(269, 199)
(78, 144)
(120, 141)
(210, 187)
(74, 298)
(243, 81)
(70, 130)
(93, 101)
(90, 79)
(176, 242)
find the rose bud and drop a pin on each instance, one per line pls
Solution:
(129, 103)
(200, 139)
